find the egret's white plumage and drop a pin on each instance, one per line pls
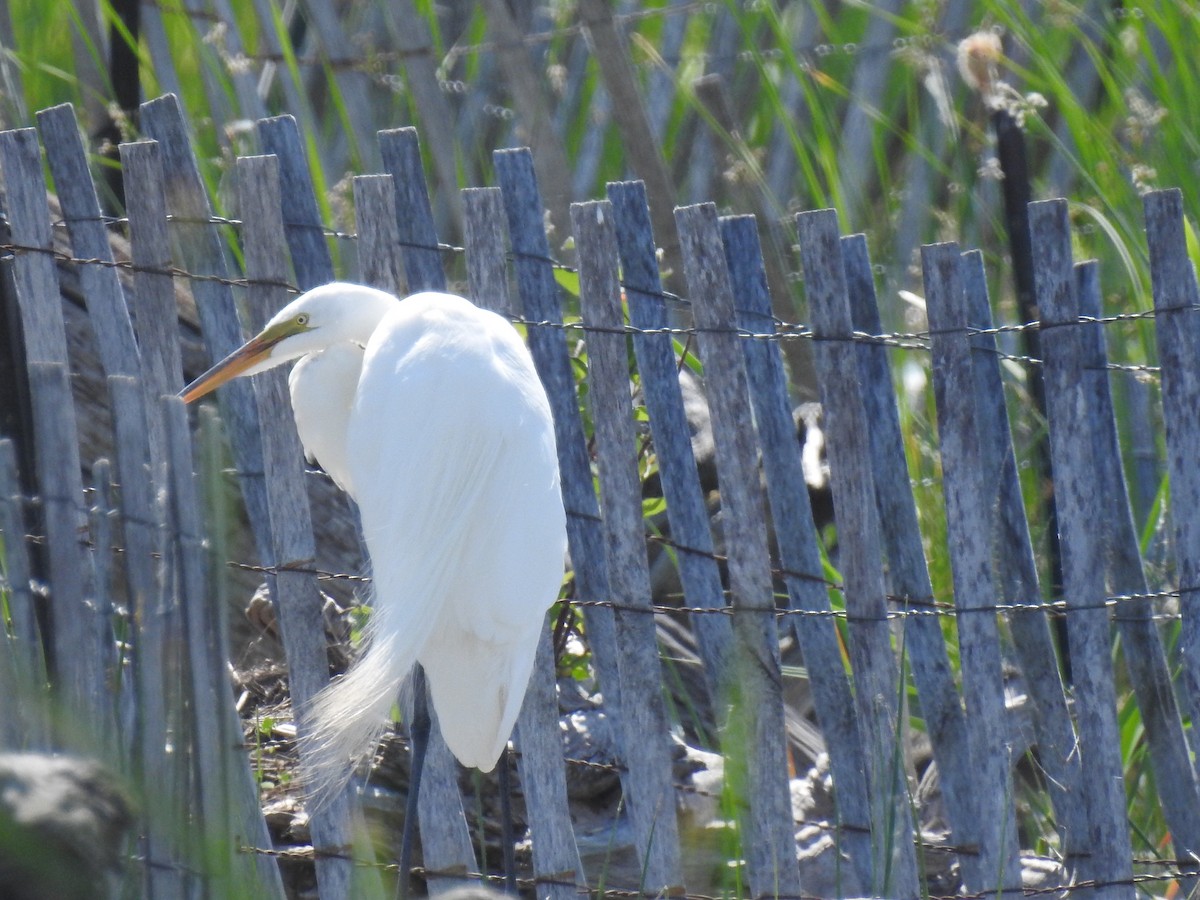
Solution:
(428, 411)
(323, 386)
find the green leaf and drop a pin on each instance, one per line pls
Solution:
(568, 280)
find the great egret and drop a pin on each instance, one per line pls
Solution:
(428, 411)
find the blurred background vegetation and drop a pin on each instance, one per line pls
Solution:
(763, 106)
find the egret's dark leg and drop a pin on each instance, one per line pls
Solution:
(506, 823)
(418, 731)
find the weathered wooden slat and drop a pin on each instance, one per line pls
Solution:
(26, 671)
(295, 591)
(1016, 576)
(556, 864)
(378, 249)
(22, 608)
(687, 513)
(796, 537)
(227, 795)
(338, 545)
(1175, 299)
(200, 251)
(483, 234)
(968, 515)
(101, 516)
(1149, 671)
(153, 293)
(76, 662)
(423, 269)
(33, 266)
(301, 217)
(540, 300)
(155, 670)
(445, 841)
(643, 721)
(1145, 472)
(108, 311)
(230, 815)
(1109, 851)
(860, 552)
(757, 715)
(224, 790)
(89, 239)
(14, 701)
(907, 571)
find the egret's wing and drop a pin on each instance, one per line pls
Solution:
(480, 655)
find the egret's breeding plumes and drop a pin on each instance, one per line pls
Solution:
(428, 411)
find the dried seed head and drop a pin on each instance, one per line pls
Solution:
(979, 56)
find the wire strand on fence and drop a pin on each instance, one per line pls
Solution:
(1185, 870)
(909, 607)
(906, 340)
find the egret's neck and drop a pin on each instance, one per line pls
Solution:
(361, 309)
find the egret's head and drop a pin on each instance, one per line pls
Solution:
(313, 321)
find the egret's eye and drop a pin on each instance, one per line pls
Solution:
(302, 319)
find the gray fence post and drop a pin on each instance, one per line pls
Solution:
(202, 254)
(26, 725)
(416, 232)
(757, 716)
(877, 686)
(968, 514)
(1016, 578)
(1175, 300)
(907, 572)
(296, 594)
(153, 292)
(687, 514)
(1149, 670)
(643, 722)
(228, 793)
(280, 137)
(158, 677)
(1108, 854)
(77, 662)
(796, 536)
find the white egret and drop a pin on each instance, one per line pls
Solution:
(429, 412)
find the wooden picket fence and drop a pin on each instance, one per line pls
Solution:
(175, 691)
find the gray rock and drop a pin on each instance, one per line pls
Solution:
(62, 825)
